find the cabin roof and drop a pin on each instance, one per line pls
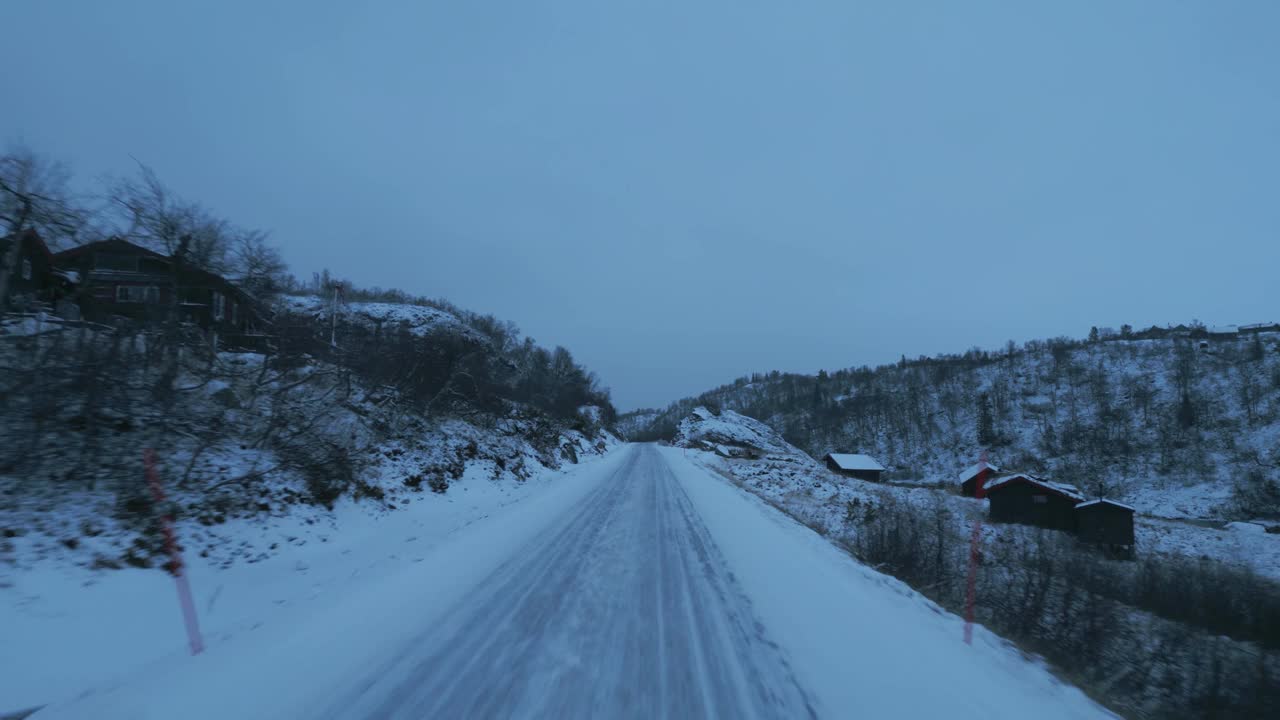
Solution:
(1104, 501)
(111, 243)
(1068, 491)
(30, 235)
(972, 471)
(854, 461)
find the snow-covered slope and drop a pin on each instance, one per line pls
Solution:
(269, 462)
(390, 317)
(730, 434)
(1177, 427)
(923, 533)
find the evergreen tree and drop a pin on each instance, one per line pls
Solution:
(986, 423)
(1256, 351)
(1049, 441)
(1186, 412)
(1093, 334)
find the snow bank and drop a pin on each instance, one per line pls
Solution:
(862, 640)
(278, 632)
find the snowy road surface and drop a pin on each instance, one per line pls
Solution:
(646, 587)
(625, 609)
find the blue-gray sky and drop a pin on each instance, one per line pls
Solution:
(685, 191)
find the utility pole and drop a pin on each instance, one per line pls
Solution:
(333, 315)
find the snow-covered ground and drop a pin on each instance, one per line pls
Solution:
(537, 586)
(789, 477)
(866, 644)
(67, 628)
(920, 419)
(418, 319)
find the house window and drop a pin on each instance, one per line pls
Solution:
(219, 305)
(115, 261)
(1040, 499)
(26, 269)
(235, 313)
(137, 294)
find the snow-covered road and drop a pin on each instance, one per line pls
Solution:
(642, 587)
(627, 609)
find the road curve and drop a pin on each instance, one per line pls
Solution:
(625, 609)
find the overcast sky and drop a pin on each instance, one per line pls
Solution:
(684, 191)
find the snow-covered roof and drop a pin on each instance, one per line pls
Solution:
(1070, 491)
(855, 461)
(1224, 330)
(1099, 501)
(972, 471)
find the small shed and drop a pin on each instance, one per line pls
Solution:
(1105, 522)
(969, 477)
(32, 272)
(863, 467)
(1030, 500)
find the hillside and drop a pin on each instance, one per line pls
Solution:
(1137, 635)
(285, 461)
(1180, 426)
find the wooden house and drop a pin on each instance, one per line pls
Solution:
(968, 478)
(31, 275)
(118, 279)
(1105, 522)
(1030, 500)
(863, 467)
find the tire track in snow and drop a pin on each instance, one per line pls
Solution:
(625, 610)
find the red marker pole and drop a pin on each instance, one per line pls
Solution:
(175, 564)
(972, 590)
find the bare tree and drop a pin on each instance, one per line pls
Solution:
(33, 196)
(152, 215)
(261, 269)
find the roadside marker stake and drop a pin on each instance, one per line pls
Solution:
(972, 591)
(175, 563)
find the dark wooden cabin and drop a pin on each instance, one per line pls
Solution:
(32, 272)
(1029, 500)
(969, 477)
(1105, 522)
(118, 279)
(863, 467)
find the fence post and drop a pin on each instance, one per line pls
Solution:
(175, 564)
(971, 594)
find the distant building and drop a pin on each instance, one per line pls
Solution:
(1255, 328)
(1223, 331)
(863, 467)
(118, 279)
(1105, 522)
(1030, 500)
(969, 477)
(32, 272)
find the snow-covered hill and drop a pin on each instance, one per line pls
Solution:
(1166, 614)
(267, 459)
(1179, 427)
(390, 317)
